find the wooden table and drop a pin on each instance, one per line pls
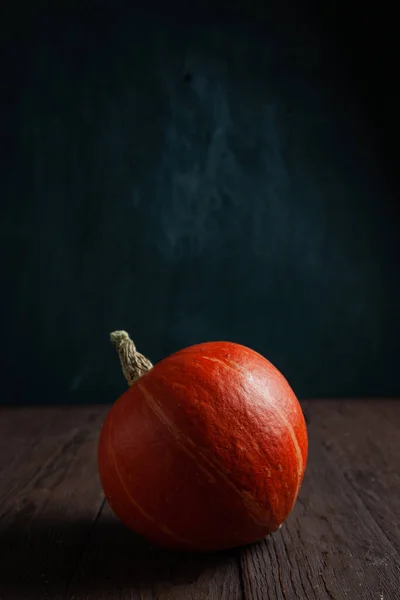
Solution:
(59, 540)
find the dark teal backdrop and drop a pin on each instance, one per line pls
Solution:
(193, 179)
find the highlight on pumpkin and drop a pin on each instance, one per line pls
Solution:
(205, 450)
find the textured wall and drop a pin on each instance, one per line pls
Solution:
(188, 184)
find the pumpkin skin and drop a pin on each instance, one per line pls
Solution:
(206, 451)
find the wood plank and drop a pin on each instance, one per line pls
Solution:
(363, 440)
(119, 565)
(49, 502)
(58, 539)
(20, 429)
(34, 445)
(331, 547)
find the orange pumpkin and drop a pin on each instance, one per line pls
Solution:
(204, 451)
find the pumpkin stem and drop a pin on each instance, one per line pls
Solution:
(134, 364)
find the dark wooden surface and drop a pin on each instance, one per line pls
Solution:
(59, 540)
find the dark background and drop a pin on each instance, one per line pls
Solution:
(198, 174)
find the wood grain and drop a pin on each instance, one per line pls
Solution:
(59, 540)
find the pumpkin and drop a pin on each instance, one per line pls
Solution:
(204, 451)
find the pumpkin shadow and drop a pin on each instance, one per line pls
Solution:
(52, 557)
